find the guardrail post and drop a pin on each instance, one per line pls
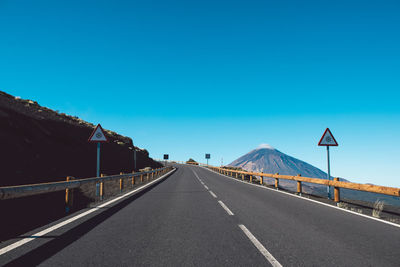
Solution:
(101, 188)
(236, 175)
(133, 178)
(276, 182)
(69, 199)
(120, 182)
(261, 180)
(251, 178)
(299, 186)
(148, 177)
(141, 178)
(337, 191)
(242, 177)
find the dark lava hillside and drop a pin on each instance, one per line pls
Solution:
(41, 145)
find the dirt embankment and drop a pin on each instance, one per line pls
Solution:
(41, 145)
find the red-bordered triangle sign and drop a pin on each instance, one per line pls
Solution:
(327, 139)
(98, 135)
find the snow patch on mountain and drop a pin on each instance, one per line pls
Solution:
(265, 146)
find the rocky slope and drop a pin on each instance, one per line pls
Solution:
(41, 145)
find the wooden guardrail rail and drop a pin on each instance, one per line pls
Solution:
(9, 192)
(391, 191)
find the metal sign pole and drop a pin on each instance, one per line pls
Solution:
(328, 140)
(98, 136)
(98, 169)
(98, 160)
(329, 172)
(207, 162)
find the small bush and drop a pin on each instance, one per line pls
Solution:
(378, 207)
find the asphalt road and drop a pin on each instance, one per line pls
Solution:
(179, 222)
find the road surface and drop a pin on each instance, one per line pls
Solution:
(196, 217)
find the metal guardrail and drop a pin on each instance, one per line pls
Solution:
(9, 192)
(391, 191)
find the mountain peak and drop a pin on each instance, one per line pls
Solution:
(270, 160)
(265, 146)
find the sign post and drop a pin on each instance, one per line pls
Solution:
(98, 137)
(98, 160)
(208, 156)
(328, 140)
(166, 157)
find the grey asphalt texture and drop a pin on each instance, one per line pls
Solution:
(178, 223)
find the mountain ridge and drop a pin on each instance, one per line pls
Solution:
(267, 159)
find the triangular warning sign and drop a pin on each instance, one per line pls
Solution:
(98, 135)
(327, 139)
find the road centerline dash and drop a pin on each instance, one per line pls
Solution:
(225, 207)
(260, 247)
(212, 193)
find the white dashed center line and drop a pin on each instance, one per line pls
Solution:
(225, 207)
(260, 247)
(212, 193)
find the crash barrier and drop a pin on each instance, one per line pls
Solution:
(391, 191)
(10, 192)
(335, 183)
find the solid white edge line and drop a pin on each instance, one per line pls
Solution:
(225, 207)
(260, 247)
(206, 187)
(54, 227)
(212, 193)
(307, 199)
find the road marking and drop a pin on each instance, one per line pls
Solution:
(225, 207)
(212, 193)
(61, 224)
(260, 247)
(206, 187)
(308, 199)
(198, 178)
(196, 175)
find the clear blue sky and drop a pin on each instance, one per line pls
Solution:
(220, 77)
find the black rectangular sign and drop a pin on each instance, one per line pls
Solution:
(208, 156)
(166, 156)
